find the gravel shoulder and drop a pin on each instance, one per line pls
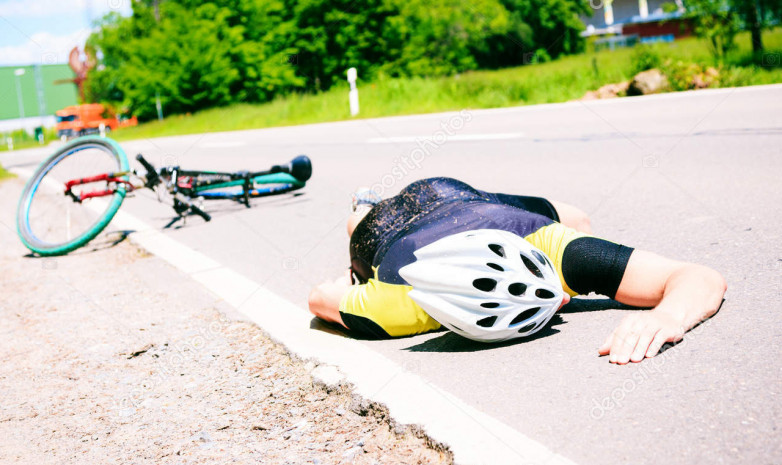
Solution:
(112, 356)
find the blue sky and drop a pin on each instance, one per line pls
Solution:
(44, 31)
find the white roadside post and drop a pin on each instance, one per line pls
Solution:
(19, 72)
(102, 129)
(353, 95)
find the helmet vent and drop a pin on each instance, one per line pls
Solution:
(490, 305)
(544, 293)
(539, 257)
(484, 284)
(496, 248)
(495, 266)
(517, 289)
(525, 315)
(487, 322)
(527, 328)
(531, 266)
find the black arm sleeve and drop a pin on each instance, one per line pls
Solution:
(595, 265)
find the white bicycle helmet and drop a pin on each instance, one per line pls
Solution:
(487, 285)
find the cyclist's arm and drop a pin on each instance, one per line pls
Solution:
(376, 309)
(324, 299)
(572, 217)
(682, 294)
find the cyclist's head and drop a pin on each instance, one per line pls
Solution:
(487, 285)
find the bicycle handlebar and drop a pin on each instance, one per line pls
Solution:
(300, 168)
(200, 213)
(183, 204)
(152, 177)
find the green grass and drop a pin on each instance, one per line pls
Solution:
(18, 145)
(5, 174)
(558, 81)
(23, 140)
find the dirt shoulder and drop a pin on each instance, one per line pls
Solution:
(112, 356)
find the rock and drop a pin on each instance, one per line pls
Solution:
(607, 91)
(351, 453)
(327, 376)
(648, 82)
(202, 436)
(705, 79)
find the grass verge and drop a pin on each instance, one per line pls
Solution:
(5, 174)
(558, 81)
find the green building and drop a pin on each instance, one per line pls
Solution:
(54, 96)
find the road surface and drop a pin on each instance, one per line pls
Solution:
(694, 176)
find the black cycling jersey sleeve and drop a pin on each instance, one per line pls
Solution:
(595, 265)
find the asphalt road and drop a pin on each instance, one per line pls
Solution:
(695, 176)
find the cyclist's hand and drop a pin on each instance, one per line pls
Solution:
(641, 336)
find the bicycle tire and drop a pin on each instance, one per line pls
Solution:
(28, 236)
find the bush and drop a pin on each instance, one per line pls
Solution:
(645, 57)
(689, 76)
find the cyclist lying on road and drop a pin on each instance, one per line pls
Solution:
(494, 267)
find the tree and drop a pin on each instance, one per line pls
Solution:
(756, 16)
(720, 20)
(716, 21)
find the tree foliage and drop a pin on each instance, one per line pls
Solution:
(719, 21)
(195, 54)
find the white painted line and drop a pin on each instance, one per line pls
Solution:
(455, 137)
(222, 145)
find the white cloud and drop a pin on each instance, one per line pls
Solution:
(41, 8)
(43, 48)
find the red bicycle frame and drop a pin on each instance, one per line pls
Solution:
(108, 178)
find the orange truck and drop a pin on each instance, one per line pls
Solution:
(79, 120)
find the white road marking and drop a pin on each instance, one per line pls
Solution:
(473, 436)
(447, 138)
(222, 145)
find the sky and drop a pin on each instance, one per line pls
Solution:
(45, 31)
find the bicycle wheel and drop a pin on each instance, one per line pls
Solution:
(50, 221)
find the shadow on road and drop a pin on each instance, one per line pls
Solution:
(102, 242)
(593, 305)
(452, 342)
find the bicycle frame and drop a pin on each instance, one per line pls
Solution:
(108, 178)
(189, 184)
(283, 182)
